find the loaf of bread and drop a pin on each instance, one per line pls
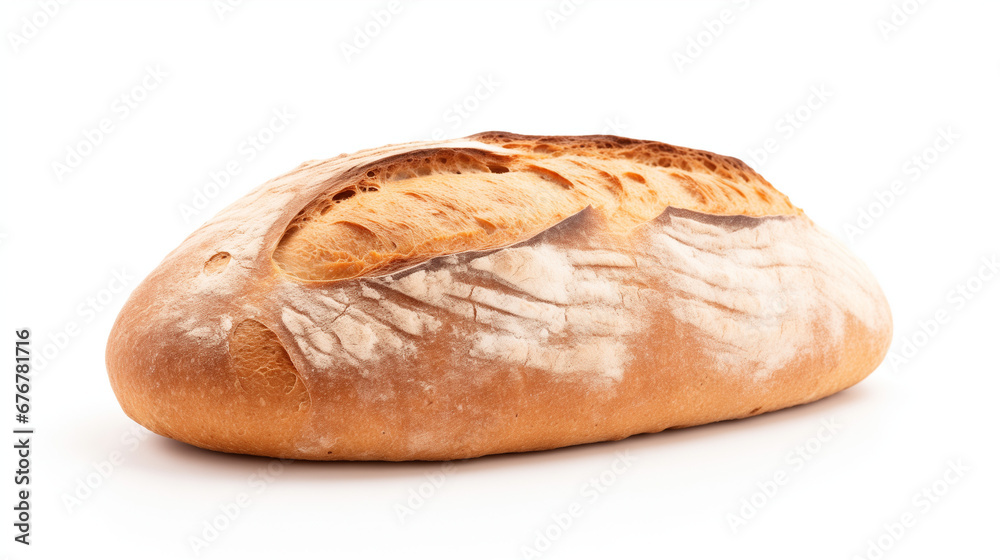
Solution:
(492, 294)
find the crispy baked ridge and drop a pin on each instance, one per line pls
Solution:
(431, 201)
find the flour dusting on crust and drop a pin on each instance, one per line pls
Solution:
(756, 288)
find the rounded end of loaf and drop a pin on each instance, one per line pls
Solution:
(833, 365)
(238, 393)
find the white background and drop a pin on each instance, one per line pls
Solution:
(608, 67)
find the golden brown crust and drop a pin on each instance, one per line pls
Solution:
(466, 199)
(560, 290)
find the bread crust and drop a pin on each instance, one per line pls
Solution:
(533, 295)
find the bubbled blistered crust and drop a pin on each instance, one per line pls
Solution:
(498, 293)
(437, 201)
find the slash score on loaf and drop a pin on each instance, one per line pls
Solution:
(496, 293)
